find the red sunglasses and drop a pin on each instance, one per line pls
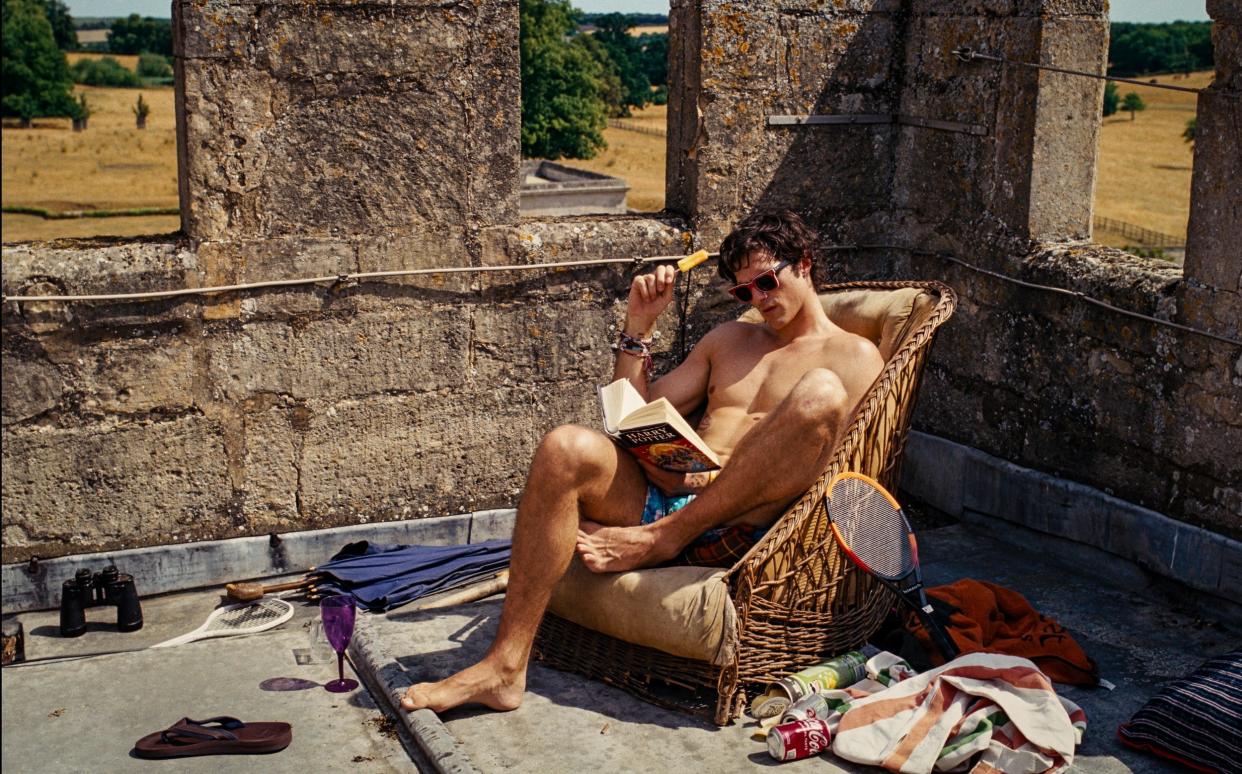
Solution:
(765, 282)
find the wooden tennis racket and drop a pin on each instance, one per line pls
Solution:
(875, 534)
(245, 618)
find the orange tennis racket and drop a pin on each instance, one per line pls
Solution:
(875, 534)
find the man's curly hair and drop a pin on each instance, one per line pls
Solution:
(781, 234)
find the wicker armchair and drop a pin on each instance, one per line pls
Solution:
(796, 600)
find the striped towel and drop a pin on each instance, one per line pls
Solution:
(999, 708)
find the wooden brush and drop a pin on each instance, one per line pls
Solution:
(248, 592)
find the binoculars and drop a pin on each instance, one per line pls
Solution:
(102, 588)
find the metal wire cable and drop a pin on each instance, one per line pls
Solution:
(967, 54)
(1036, 286)
(340, 278)
(637, 261)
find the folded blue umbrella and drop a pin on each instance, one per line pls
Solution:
(381, 576)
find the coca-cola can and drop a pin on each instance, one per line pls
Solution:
(799, 739)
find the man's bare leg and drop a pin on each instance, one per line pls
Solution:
(575, 471)
(773, 464)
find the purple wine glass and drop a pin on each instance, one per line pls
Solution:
(338, 625)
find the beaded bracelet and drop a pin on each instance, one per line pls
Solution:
(634, 347)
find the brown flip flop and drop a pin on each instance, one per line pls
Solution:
(215, 736)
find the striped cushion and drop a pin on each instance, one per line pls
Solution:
(1197, 720)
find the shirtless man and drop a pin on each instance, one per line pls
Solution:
(777, 394)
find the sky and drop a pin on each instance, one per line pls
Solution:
(1121, 10)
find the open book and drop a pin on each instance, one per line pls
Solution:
(653, 431)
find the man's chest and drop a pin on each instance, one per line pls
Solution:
(758, 383)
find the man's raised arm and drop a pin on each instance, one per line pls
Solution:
(650, 295)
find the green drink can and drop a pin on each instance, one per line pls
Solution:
(841, 672)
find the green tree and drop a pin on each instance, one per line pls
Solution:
(105, 71)
(613, 32)
(1137, 49)
(1192, 131)
(609, 80)
(35, 75)
(1111, 99)
(63, 29)
(654, 47)
(135, 34)
(563, 114)
(152, 65)
(655, 64)
(1133, 103)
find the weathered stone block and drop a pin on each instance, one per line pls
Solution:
(419, 459)
(138, 376)
(1215, 229)
(357, 111)
(335, 358)
(31, 386)
(406, 251)
(1003, 8)
(1063, 158)
(758, 60)
(81, 487)
(272, 465)
(91, 269)
(1224, 10)
(583, 239)
(543, 344)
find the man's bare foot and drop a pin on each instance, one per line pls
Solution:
(482, 683)
(617, 549)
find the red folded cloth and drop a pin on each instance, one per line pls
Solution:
(985, 617)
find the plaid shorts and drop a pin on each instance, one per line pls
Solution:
(719, 547)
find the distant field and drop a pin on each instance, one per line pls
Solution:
(126, 60)
(111, 165)
(93, 36)
(636, 158)
(1143, 174)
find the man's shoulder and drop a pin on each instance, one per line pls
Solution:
(854, 342)
(734, 330)
(854, 348)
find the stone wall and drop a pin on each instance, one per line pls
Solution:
(138, 424)
(346, 136)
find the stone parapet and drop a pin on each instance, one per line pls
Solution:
(140, 423)
(1141, 410)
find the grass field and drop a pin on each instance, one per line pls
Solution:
(636, 158)
(92, 36)
(111, 165)
(1144, 165)
(126, 60)
(1143, 174)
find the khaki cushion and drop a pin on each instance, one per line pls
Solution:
(883, 316)
(685, 611)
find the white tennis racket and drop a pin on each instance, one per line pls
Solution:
(244, 618)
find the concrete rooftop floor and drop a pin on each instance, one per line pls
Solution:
(85, 714)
